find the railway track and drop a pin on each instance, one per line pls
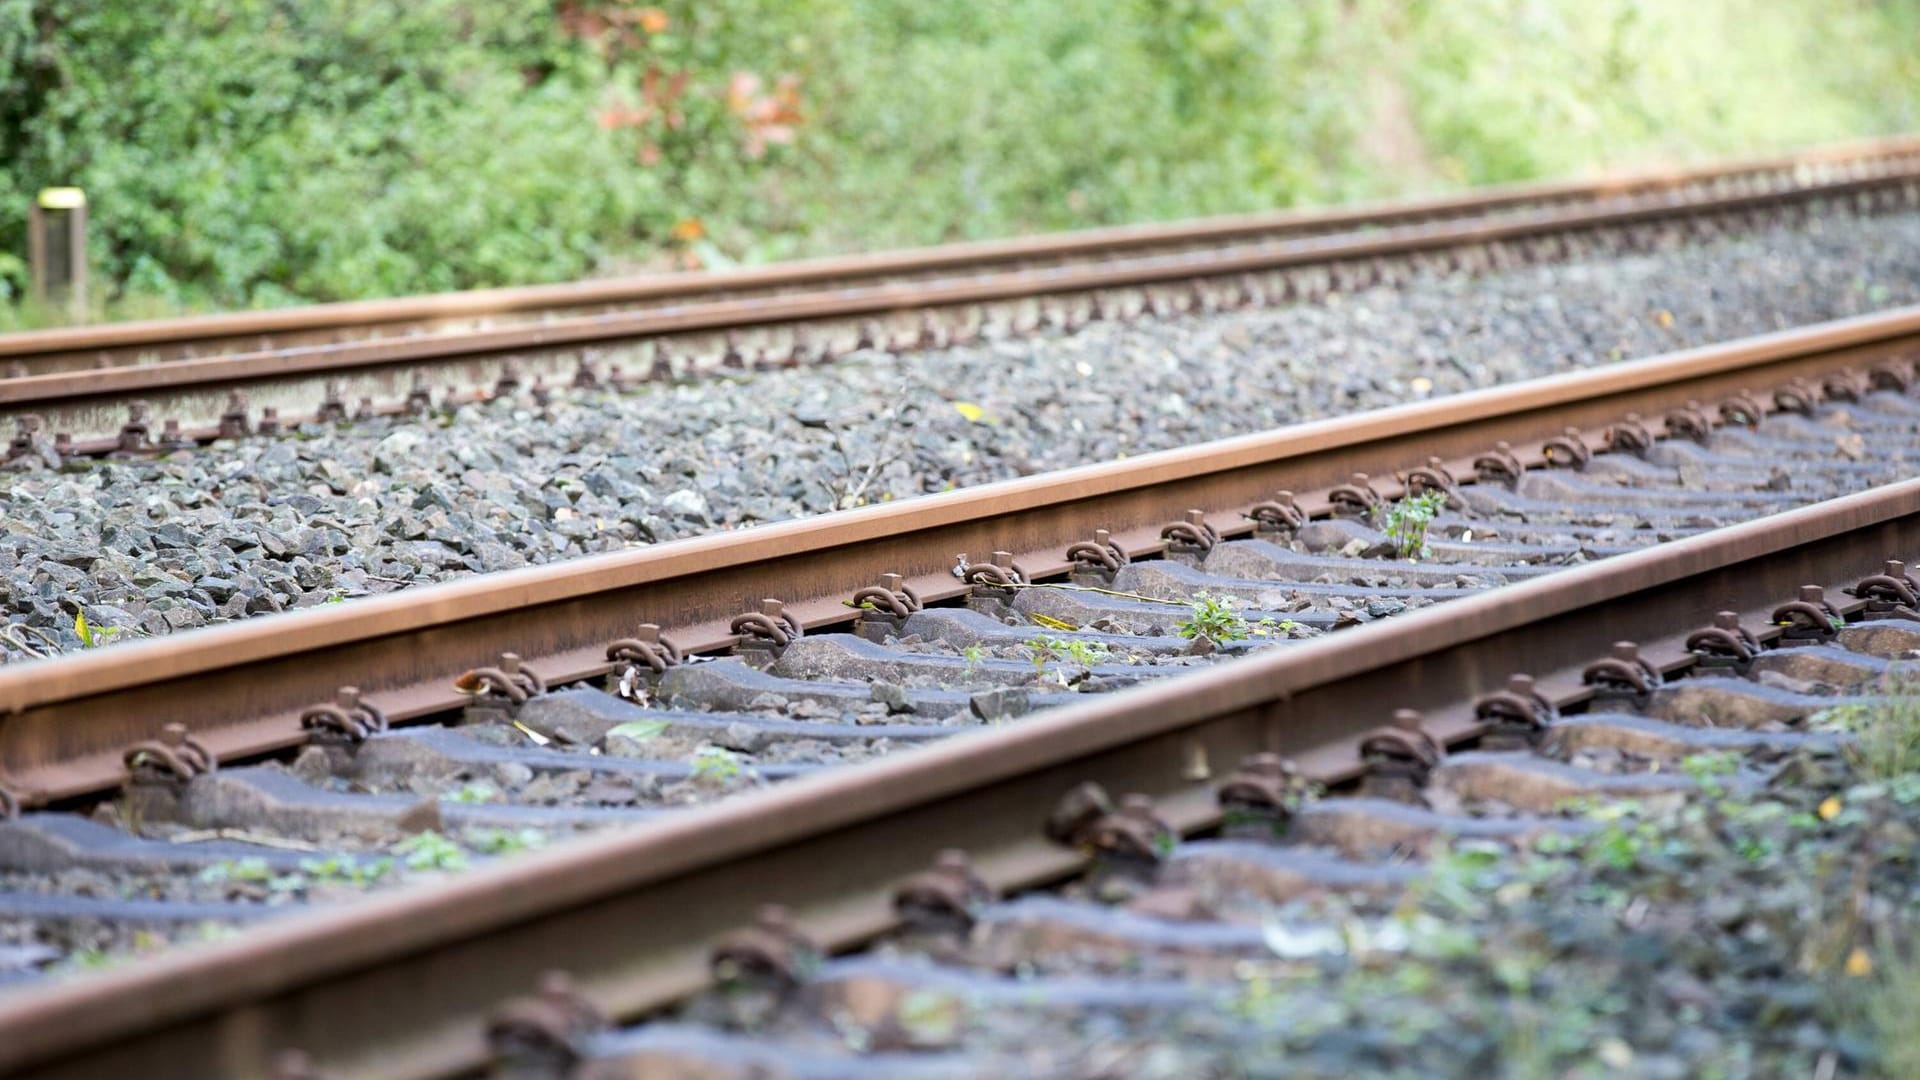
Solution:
(594, 721)
(145, 388)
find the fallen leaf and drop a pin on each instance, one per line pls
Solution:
(1052, 623)
(1664, 318)
(1830, 809)
(687, 230)
(639, 730)
(1859, 964)
(974, 414)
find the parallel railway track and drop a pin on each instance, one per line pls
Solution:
(1629, 467)
(42, 352)
(336, 361)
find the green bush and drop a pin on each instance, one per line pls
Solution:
(263, 152)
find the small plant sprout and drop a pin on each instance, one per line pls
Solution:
(506, 841)
(92, 636)
(431, 851)
(716, 765)
(474, 792)
(1043, 648)
(1218, 619)
(248, 869)
(359, 873)
(1406, 522)
(974, 655)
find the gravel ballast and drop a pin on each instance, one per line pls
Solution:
(330, 513)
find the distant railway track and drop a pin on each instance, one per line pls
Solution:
(1069, 584)
(199, 378)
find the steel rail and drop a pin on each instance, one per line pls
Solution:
(400, 986)
(240, 369)
(339, 317)
(241, 687)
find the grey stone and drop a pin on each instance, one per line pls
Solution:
(894, 697)
(1002, 703)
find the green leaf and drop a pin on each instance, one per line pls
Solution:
(639, 730)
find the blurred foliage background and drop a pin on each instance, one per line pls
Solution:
(261, 152)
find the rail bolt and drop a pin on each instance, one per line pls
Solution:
(942, 900)
(640, 661)
(1400, 758)
(497, 693)
(1098, 561)
(1499, 465)
(994, 583)
(348, 720)
(765, 634)
(1725, 646)
(1279, 516)
(884, 608)
(1622, 676)
(772, 953)
(1808, 620)
(1890, 594)
(1517, 717)
(1191, 538)
(543, 1034)
(1356, 498)
(1262, 794)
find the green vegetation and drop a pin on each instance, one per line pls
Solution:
(975, 656)
(430, 851)
(506, 841)
(1885, 733)
(359, 873)
(1889, 1008)
(1042, 648)
(716, 765)
(93, 636)
(1406, 522)
(257, 153)
(1218, 619)
(473, 793)
(331, 869)
(639, 730)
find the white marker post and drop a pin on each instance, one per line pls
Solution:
(57, 248)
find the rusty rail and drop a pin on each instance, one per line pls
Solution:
(194, 392)
(64, 724)
(400, 986)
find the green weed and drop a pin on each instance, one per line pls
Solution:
(506, 841)
(93, 636)
(473, 793)
(716, 765)
(975, 656)
(359, 873)
(1890, 1003)
(1406, 522)
(1885, 743)
(1218, 619)
(431, 851)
